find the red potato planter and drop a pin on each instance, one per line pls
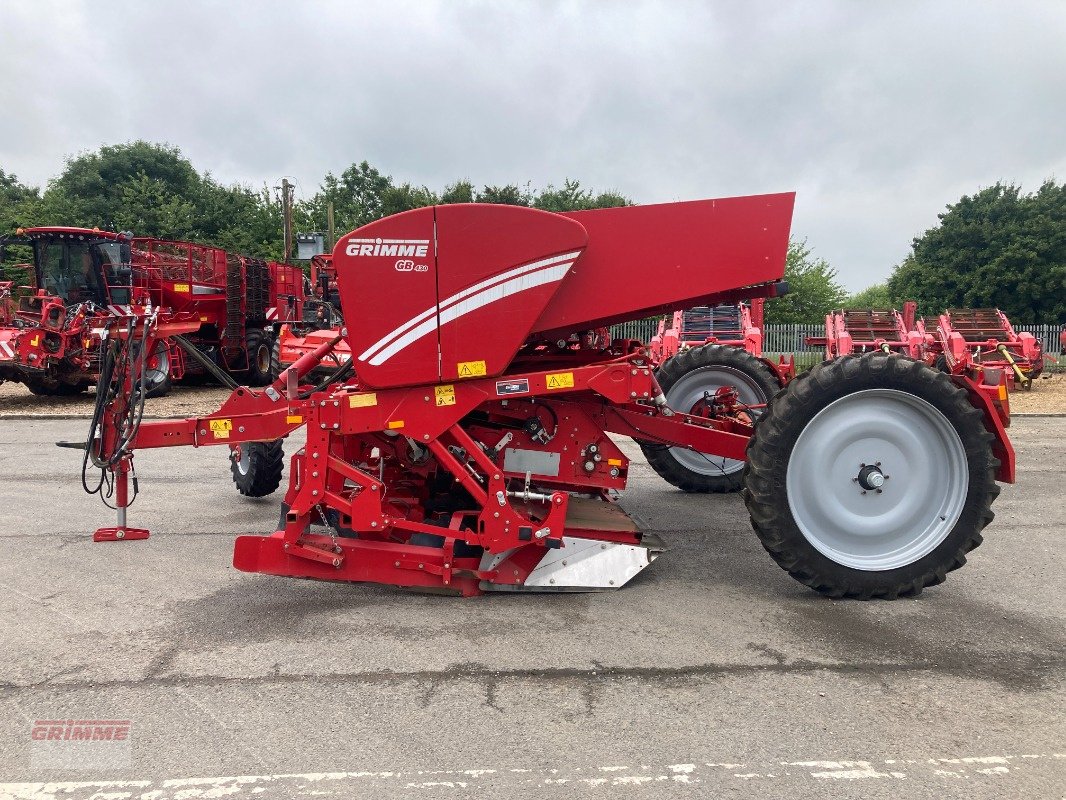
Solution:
(465, 445)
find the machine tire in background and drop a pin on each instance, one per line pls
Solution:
(157, 375)
(684, 378)
(50, 387)
(258, 345)
(870, 476)
(256, 467)
(275, 360)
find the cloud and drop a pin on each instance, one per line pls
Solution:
(877, 114)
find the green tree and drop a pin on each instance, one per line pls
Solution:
(19, 207)
(997, 248)
(876, 296)
(571, 197)
(510, 195)
(813, 289)
(148, 207)
(91, 189)
(458, 192)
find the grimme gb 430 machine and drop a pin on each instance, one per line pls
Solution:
(466, 446)
(82, 278)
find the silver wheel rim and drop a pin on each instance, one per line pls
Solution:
(244, 461)
(924, 480)
(688, 391)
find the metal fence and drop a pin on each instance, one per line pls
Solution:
(791, 339)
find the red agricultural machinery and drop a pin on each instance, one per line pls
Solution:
(82, 279)
(970, 341)
(865, 330)
(729, 339)
(470, 443)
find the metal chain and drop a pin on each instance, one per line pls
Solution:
(333, 533)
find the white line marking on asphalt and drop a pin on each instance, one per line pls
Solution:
(348, 784)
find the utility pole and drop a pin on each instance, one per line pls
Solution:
(287, 190)
(330, 242)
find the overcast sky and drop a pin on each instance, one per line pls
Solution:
(877, 114)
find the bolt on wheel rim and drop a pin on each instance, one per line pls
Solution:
(688, 392)
(877, 480)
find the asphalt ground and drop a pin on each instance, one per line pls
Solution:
(713, 674)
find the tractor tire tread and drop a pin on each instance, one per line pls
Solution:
(776, 432)
(266, 460)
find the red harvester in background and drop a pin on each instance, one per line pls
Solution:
(854, 331)
(969, 341)
(470, 443)
(82, 278)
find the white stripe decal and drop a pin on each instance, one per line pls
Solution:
(7, 349)
(483, 298)
(477, 287)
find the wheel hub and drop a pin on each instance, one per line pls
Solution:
(870, 477)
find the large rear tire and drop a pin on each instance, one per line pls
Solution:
(685, 379)
(275, 360)
(870, 476)
(258, 345)
(256, 467)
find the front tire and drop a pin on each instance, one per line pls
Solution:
(256, 467)
(685, 379)
(870, 476)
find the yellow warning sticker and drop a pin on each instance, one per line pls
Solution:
(470, 369)
(363, 400)
(445, 395)
(221, 424)
(221, 434)
(395, 423)
(34, 341)
(203, 318)
(294, 419)
(560, 380)
(181, 287)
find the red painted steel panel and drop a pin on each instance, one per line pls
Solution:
(646, 260)
(497, 267)
(387, 275)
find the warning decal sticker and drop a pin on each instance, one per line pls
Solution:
(560, 380)
(471, 369)
(363, 400)
(221, 427)
(445, 395)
